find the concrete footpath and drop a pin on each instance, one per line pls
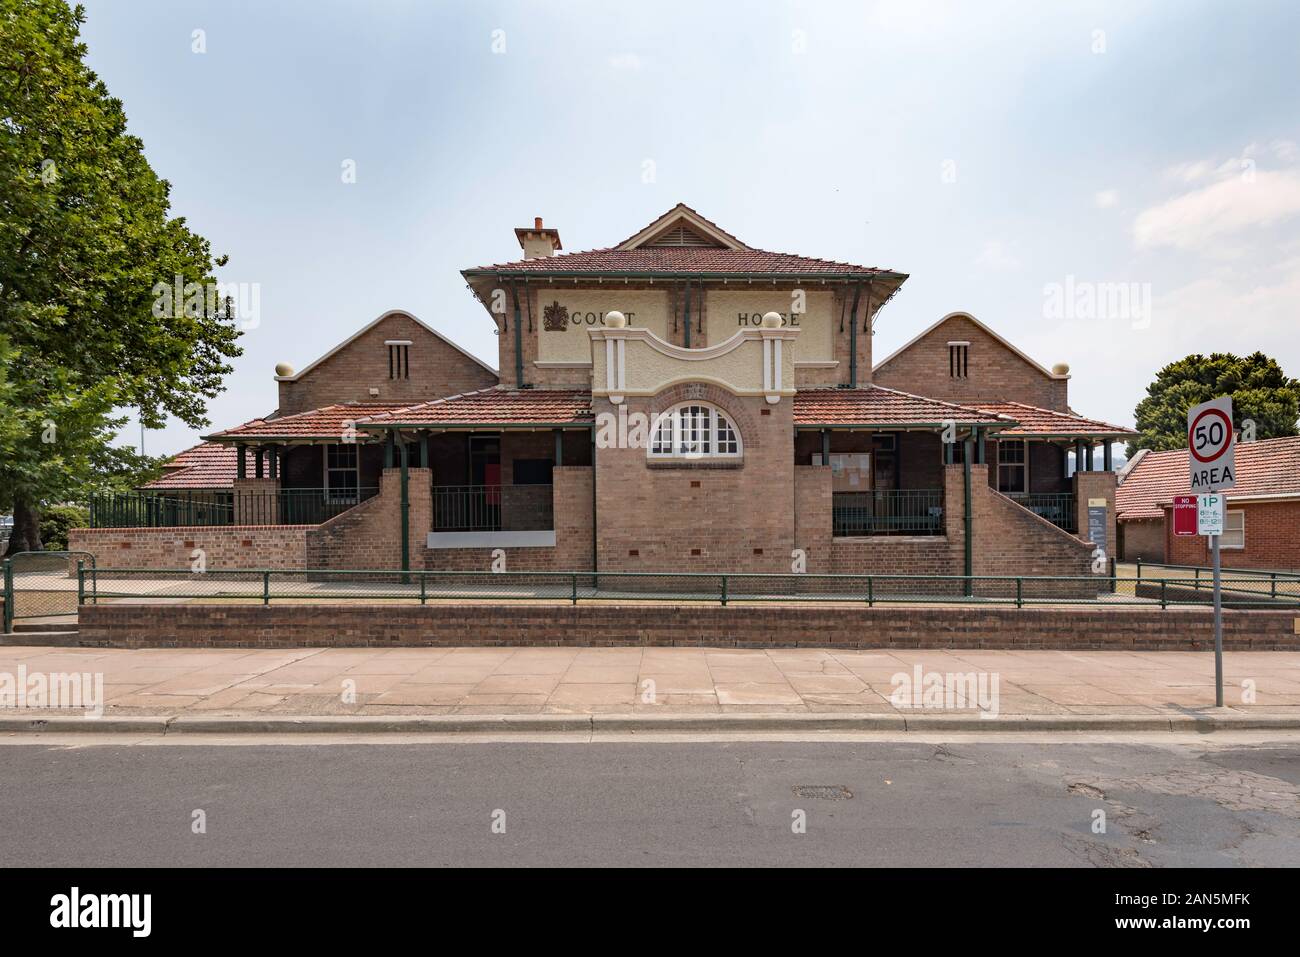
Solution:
(567, 689)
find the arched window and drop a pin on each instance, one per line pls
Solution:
(693, 430)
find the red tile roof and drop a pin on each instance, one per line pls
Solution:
(876, 405)
(208, 465)
(1269, 467)
(685, 259)
(1036, 421)
(327, 422)
(697, 260)
(494, 406)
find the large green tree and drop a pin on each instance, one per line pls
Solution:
(1261, 393)
(86, 234)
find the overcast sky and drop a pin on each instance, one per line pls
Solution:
(1024, 162)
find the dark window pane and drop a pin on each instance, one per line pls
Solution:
(533, 471)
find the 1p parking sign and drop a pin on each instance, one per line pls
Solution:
(1211, 513)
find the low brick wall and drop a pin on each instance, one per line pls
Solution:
(226, 546)
(733, 626)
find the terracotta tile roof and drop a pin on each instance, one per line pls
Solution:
(685, 259)
(325, 422)
(1036, 421)
(1264, 468)
(876, 405)
(498, 405)
(207, 465)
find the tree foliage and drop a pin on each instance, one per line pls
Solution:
(1261, 393)
(85, 236)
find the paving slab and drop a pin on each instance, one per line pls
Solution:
(1126, 689)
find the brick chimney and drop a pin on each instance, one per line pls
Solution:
(538, 241)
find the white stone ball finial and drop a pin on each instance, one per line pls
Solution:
(615, 319)
(771, 320)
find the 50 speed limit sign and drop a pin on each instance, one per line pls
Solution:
(1211, 445)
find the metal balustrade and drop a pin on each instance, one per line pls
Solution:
(492, 508)
(1057, 507)
(205, 507)
(887, 512)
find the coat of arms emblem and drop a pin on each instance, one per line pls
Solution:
(555, 318)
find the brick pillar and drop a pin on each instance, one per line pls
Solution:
(571, 517)
(257, 501)
(954, 497)
(419, 494)
(813, 502)
(1093, 486)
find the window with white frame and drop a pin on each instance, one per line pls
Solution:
(1234, 530)
(1012, 459)
(342, 478)
(694, 431)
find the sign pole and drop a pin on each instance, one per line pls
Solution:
(1218, 625)
(1212, 467)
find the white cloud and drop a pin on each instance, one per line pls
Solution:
(625, 61)
(1106, 198)
(1285, 150)
(1198, 219)
(1229, 309)
(1197, 171)
(997, 255)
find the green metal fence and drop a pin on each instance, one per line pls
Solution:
(45, 584)
(266, 586)
(1276, 585)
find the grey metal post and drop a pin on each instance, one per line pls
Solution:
(1218, 625)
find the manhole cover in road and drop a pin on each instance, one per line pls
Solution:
(823, 792)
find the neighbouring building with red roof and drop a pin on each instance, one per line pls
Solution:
(679, 401)
(1263, 509)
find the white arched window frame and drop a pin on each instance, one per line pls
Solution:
(694, 430)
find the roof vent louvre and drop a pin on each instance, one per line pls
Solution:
(682, 235)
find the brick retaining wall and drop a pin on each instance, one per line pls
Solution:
(224, 546)
(734, 626)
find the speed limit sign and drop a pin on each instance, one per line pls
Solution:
(1211, 445)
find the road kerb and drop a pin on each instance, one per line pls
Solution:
(793, 723)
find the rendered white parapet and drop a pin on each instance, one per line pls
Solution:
(491, 539)
(630, 361)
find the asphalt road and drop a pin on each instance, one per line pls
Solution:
(689, 803)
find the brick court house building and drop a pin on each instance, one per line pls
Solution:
(677, 401)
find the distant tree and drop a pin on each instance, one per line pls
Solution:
(1261, 392)
(55, 522)
(85, 237)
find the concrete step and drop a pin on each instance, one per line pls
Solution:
(68, 639)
